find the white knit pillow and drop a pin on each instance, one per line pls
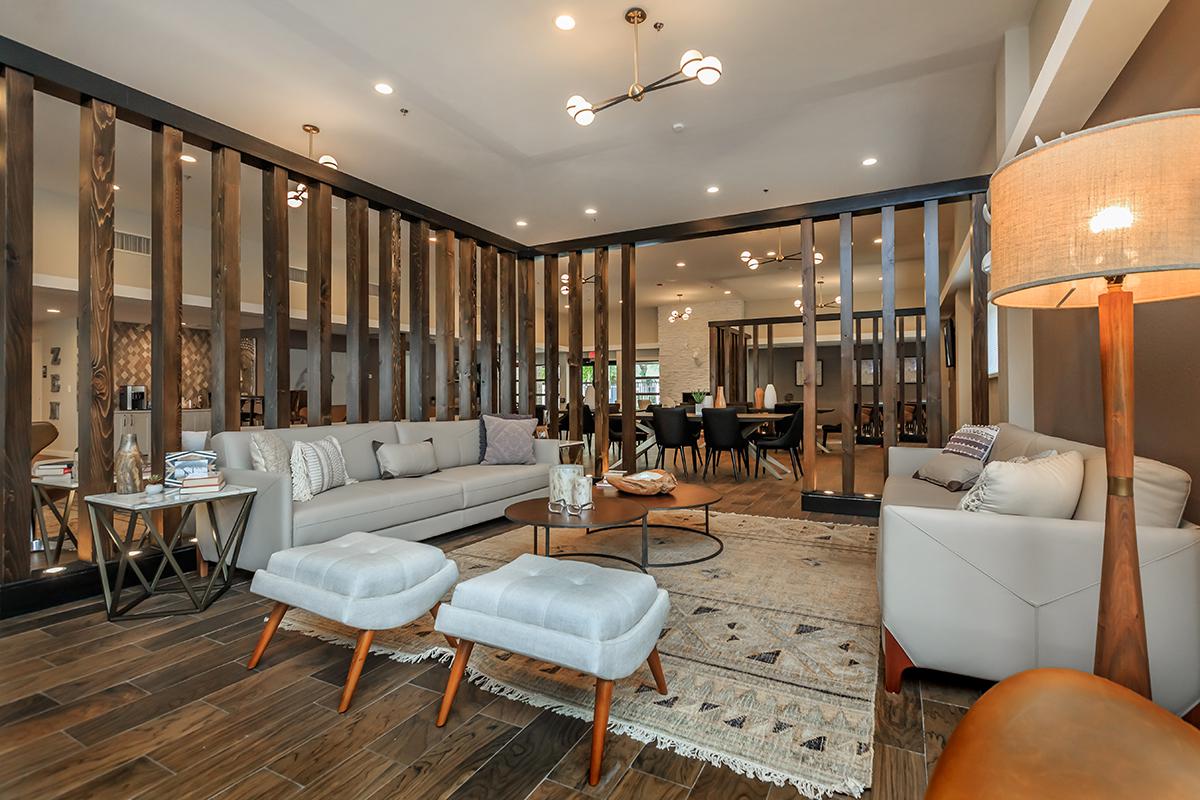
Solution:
(317, 467)
(1040, 487)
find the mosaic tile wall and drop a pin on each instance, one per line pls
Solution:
(131, 361)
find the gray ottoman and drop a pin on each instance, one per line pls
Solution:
(365, 581)
(597, 620)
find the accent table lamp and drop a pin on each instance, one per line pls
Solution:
(1106, 217)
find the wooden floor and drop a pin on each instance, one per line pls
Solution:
(166, 708)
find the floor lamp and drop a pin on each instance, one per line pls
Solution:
(1105, 218)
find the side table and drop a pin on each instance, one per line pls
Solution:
(43, 497)
(200, 592)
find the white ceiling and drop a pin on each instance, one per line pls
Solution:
(810, 88)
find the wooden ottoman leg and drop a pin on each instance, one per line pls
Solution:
(456, 672)
(656, 667)
(268, 631)
(604, 690)
(361, 650)
(895, 661)
(450, 640)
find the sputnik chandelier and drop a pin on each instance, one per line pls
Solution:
(754, 262)
(837, 301)
(676, 316)
(693, 66)
(297, 196)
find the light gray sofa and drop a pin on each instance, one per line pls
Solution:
(462, 492)
(990, 595)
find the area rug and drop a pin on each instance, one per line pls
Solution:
(770, 650)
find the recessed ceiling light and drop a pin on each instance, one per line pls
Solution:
(53, 311)
(185, 158)
(728, 292)
(383, 88)
(54, 570)
(521, 223)
(770, 252)
(590, 211)
(713, 189)
(878, 240)
(680, 264)
(566, 305)
(870, 161)
(433, 237)
(880, 277)
(116, 188)
(564, 22)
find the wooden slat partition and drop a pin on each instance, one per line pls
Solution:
(756, 371)
(320, 321)
(980, 244)
(600, 447)
(166, 293)
(97, 150)
(575, 345)
(550, 340)
(16, 318)
(418, 320)
(391, 337)
(447, 309)
(888, 323)
(714, 360)
(526, 341)
(468, 389)
(277, 300)
(225, 330)
(488, 343)
(808, 276)
(358, 295)
(508, 332)
(628, 356)
(846, 289)
(770, 353)
(932, 373)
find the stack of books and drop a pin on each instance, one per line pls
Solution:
(202, 484)
(52, 468)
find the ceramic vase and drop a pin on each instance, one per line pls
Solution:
(562, 479)
(770, 398)
(719, 402)
(759, 396)
(127, 467)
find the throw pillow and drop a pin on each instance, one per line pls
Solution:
(268, 453)
(958, 465)
(973, 441)
(1039, 487)
(405, 460)
(483, 431)
(317, 467)
(509, 441)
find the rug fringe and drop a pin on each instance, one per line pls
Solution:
(444, 654)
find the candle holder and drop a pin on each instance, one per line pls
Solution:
(581, 495)
(562, 478)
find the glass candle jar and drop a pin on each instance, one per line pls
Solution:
(562, 478)
(581, 495)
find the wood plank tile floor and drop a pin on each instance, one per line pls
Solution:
(98, 709)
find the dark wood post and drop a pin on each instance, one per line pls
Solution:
(980, 245)
(391, 338)
(320, 321)
(846, 287)
(508, 333)
(488, 343)
(447, 309)
(277, 300)
(418, 320)
(526, 341)
(932, 373)
(550, 340)
(714, 360)
(358, 295)
(629, 357)
(575, 346)
(888, 322)
(468, 388)
(226, 329)
(808, 276)
(16, 310)
(600, 446)
(166, 292)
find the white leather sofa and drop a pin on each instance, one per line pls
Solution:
(990, 595)
(462, 492)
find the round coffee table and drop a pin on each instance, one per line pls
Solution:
(606, 512)
(684, 496)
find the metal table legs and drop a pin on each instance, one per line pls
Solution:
(640, 567)
(43, 500)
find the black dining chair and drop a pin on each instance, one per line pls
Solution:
(672, 432)
(723, 433)
(791, 440)
(616, 440)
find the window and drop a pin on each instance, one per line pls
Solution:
(589, 378)
(645, 383)
(539, 386)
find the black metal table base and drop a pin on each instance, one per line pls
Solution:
(640, 567)
(41, 501)
(646, 525)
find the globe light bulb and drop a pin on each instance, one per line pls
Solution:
(575, 103)
(294, 200)
(565, 290)
(671, 320)
(686, 316)
(818, 257)
(709, 71)
(745, 256)
(689, 63)
(838, 300)
(328, 161)
(564, 278)
(752, 263)
(585, 116)
(687, 310)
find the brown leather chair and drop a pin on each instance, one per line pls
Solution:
(1059, 733)
(43, 434)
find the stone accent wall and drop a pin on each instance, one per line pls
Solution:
(683, 346)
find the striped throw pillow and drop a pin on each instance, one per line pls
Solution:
(317, 467)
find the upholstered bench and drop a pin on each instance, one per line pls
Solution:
(368, 582)
(604, 622)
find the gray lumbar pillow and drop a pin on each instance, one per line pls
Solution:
(405, 460)
(951, 471)
(509, 441)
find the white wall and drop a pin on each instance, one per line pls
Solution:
(62, 334)
(683, 346)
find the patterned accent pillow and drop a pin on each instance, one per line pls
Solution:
(509, 441)
(483, 431)
(268, 453)
(973, 441)
(317, 467)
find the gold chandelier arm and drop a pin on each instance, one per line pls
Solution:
(609, 103)
(636, 25)
(661, 83)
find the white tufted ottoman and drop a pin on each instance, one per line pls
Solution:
(601, 621)
(368, 582)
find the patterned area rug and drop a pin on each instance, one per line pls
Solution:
(770, 650)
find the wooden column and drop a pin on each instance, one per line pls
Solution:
(808, 276)
(888, 379)
(277, 300)
(166, 293)
(418, 320)
(714, 361)
(391, 338)
(755, 370)
(320, 321)
(600, 446)
(358, 329)
(16, 314)
(508, 333)
(629, 356)
(575, 346)
(447, 310)
(488, 363)
(771, 354)
(980, 245)
(846, 289)
(526, 336)
(933, 328)
(468, 388)
(226, 329)
(550, 340)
